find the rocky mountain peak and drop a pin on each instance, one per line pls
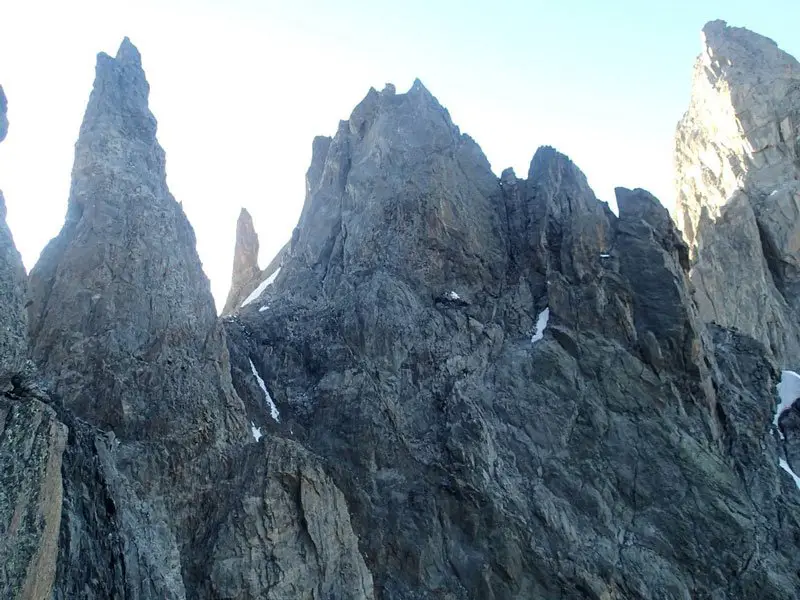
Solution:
(128, 53)
(454, 385)
(397, 159)
(122, 281)
(736, 52)
(738, 164)
(245, 262)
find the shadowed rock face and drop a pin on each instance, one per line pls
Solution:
(123, 327)
(122, 289)
(614, 456)
(738, 166)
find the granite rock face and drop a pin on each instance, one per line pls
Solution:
(285, 532)
(738, 165)
(245, 263)
(512, 386)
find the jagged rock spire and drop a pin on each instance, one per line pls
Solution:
(245, 261)
(122, 319)
(737, 156)
(398, 156)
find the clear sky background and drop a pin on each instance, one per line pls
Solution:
(241, 87)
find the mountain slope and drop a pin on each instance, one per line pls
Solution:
(513, 387)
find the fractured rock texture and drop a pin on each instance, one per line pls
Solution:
(122, 287)
(738, 164)
(458, 386)
(593, 463)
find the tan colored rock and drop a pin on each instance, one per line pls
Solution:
(32, 441)
(287, 534)
(737, 153)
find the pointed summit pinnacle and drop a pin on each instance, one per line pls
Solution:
(128, 53)
(245, 262)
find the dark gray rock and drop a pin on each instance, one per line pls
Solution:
(284, 531)
(164, 496)
(122, 320)
(124, 329)
(32, 441)
(625, 453)
(459, 387)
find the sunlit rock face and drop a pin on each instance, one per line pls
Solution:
(246, 274)
(737, 156)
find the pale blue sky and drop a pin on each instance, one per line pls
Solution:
(241, 87)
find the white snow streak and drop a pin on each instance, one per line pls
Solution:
(788, 392)
(273, 410)
(451, 295)
(785, 466)
(261, 287)
(263, 308)
(256, 431)
(541, 323)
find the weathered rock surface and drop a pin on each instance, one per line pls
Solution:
(285, 533)
(447, 385)
(738, 165)
(122, 289)
(124, 329)
(625, 452)
(245, 263)
(31, 445)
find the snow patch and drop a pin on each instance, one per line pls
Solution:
(263, 308)
(541, 323)
(273, 410)
(788, 392)
(451, 295)
(256, 431)
(605, 255)
(785, 466)
(261, 287)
